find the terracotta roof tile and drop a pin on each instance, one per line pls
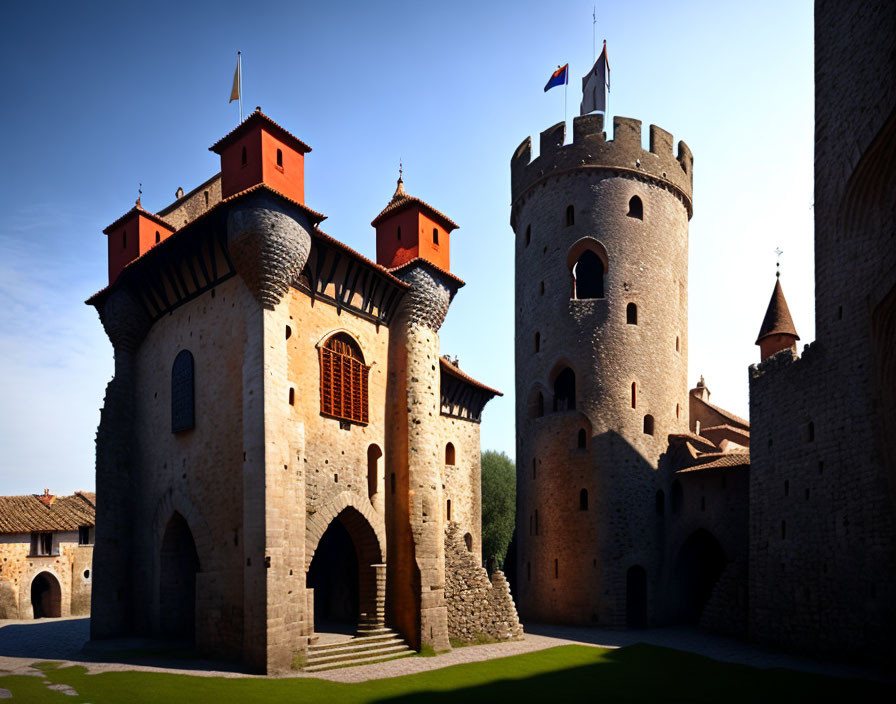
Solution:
(26, 514)
(420, 260)
(450, 368)
(719, 461)
(777, 320)
(142, 211)
(260, 117)
(402, 200)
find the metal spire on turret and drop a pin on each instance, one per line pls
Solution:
(399, 188)
(777, 331)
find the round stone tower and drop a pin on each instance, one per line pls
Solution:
(601, 365)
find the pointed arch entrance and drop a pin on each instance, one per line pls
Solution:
(178, 565)
(46, 596)
(698, 566)
(348, 574)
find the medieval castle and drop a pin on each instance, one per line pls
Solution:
(283, 447)
(638, 501)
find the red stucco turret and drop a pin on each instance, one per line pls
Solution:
(408, 228)
(261, 151)
(132, 235)
(777, 332)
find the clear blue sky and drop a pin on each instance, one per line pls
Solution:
(98, 97)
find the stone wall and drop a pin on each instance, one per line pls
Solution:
(476, 605)
(822, 538)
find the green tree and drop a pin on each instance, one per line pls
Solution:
(498, 503)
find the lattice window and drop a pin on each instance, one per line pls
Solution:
(183, 412)
(343, 380)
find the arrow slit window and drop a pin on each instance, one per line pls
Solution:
(343, 380)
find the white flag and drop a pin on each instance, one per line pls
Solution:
(235, 91)
(596, 85)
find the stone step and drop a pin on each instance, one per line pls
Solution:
(351, 656)
(372, 632)
(353, 644)
(367, 660)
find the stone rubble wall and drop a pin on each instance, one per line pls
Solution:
(476, 605)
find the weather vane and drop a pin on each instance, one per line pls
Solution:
(779, 252)
(139, 192)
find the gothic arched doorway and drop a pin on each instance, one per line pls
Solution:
(636, 597)
(178, 565)
(699, 565)
(344, 574)
(46, 596)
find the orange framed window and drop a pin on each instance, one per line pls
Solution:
(343, 380)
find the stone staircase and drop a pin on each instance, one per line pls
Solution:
(372, 643)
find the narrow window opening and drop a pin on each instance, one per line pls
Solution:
(839, 312)
(634, 394)
(528, 235)
(582, 439)
(536, 521)
(243, 157)
(570, 215)
(677, 411)
(468, 539)
(660, 503)
(528, 571)
(583, 500)
(702, 503)
(565, 391)
(810, 432)
(533, 468)
(292, 396)
(288, 332)
(373, 470)
(677, 344)
(807, 494)
(538, 342)
(448, 509)
(449, 453)
(158, 237)
(631, 314)
(783, 530)
(399, 234)
(635, 208)
(542, 288)
(556, 568)
(648, 424)
(392, 482)
(435, 235)
(182, 393)
(280, 158)
(124, 239)
(786, 488)
(206, 198)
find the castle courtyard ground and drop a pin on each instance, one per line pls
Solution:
(570, 662)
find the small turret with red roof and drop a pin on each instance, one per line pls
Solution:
(778, 331)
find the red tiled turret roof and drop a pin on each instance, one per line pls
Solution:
(259, 117)
(777, 319)
(138, 209)
(402, 200)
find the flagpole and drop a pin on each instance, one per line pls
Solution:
(239, 65)
(593, 40)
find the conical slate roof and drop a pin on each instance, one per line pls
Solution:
(777, 319)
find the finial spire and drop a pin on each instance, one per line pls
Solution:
(779, 252)
(139, 192)
(399, 188)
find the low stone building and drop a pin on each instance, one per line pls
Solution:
(46, 555)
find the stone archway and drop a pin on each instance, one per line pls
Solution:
(46, 596)
(698, 566)
(346, 569)
(178, 565)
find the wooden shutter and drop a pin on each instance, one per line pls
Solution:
(343, 383)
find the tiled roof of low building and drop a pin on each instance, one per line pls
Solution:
(719, 460)
(44, 512)
(450, 368)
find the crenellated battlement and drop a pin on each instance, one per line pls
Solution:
(590, 148)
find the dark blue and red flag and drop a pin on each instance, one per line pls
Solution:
(560, 77)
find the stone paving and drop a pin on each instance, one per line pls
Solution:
(23, 643)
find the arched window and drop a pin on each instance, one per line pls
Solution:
(536, 404)
(158, 237)
(399, 234)
(183, 412)
(537, 341)
(343, 379)
(570, 215)
(583, 500)
(677, 496)
(449, 453)
(280, 158)
(660, 503)
(373, 470)
(435, 235)
(631, 314)
(648, 424)
(528, 235)
(468, 541)
(634, 394)
(565, 391)
(581, 439)
(243, 157)
(588, 276)
(635, 208)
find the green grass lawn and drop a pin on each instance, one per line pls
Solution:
(570, 673)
